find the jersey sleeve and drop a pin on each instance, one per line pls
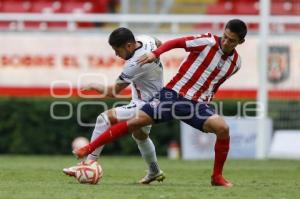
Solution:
(189, 43)
(199, 42)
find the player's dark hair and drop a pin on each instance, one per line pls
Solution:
(120, 36)
(237, 26)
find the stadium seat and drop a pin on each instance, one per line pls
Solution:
(46, 6)
(8, 25)
(282, 8)
(50, 6)
(243, 8)
(220, 8)
(78, 7)
(15, 6)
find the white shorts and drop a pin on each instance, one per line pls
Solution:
(129, 111)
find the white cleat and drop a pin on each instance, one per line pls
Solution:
(160, 176)
(70, 171)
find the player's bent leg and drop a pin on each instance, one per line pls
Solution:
(217, 125)
(103, 122)
(140, 120)
(114, 132)
(147, 150)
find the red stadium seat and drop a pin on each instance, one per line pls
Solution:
(46, 6)
(220, 8)
(51, 6)
(243, 8)
(8, 25)
(78, 6)
(292, 27)
(15, 6)
(282, 8)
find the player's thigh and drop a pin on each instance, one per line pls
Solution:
(198, 114)
(135, 118)
(215, 124)
(126, 112)
(160, 107)
(140, 120)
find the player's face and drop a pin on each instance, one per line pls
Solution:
(229, 41)
(124, 51)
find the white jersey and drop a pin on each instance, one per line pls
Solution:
(146, 80)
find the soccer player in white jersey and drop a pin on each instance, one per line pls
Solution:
(146, 81)
(211, 61)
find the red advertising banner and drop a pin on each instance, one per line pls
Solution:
(31, 64)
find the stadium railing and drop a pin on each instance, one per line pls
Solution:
(174, 20)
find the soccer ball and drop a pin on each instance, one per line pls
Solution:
(79, 142)
(89, 172)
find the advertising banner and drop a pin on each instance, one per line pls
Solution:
(285, 144)
(43, 59)
(243, 136)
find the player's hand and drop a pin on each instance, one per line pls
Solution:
(146, 58)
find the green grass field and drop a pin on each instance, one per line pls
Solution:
(39, 177)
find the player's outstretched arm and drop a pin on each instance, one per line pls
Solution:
(168, 45)
(108, 91)
(116, 89)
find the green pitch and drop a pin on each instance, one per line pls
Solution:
(40, 177)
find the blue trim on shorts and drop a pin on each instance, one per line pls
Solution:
(169, 105)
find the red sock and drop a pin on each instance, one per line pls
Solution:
(221, 151)
(111, 134)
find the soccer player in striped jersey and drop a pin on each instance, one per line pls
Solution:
(211, 61)
(145, 81)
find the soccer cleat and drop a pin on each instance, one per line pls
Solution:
(70, 171)
(219, 180)
(160, 176)
(82, 152)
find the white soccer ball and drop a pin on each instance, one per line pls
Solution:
(89, 172)
(79, 142)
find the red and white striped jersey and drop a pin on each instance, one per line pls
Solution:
(205, 68)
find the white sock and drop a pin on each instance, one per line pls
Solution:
(147, 150)
(101, 125)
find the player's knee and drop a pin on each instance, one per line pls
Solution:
(103, 119)
(223, 130)
(138, 122)
(111, 116)
(139, 136)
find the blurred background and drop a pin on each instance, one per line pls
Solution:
(49, 48)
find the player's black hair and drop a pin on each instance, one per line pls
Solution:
(237, 26)
(121, 36)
